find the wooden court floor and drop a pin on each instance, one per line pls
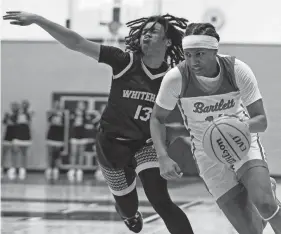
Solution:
(36, 206)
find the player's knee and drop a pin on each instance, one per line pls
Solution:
(265, 204)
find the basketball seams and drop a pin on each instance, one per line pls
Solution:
(216, 125)
(212, 143)
(238, 131)
(208, 143)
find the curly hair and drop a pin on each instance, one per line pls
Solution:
(173, 27)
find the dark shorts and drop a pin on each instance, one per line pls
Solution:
(55, 136)
(77, 136)
(22, 135)
(120, 162)
(9, 135)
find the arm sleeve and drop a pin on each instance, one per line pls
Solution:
(170, 89)
(114, 57)
(246, 82)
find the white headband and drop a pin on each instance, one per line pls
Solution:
(200, 41)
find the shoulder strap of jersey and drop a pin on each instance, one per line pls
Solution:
(183, 68)
(229, 63)
(126, 68)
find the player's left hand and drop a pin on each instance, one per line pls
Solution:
(20, 18)
(169, 169)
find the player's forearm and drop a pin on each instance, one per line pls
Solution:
(158, 135)
(65, 36)
(257, 124)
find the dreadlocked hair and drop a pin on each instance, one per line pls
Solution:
(173, 27)
(202, 29)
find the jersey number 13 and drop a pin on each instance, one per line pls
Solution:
(143, 113)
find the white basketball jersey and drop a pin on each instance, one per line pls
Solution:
(199, 106)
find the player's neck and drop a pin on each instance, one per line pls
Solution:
(213, 71)
(153, 61)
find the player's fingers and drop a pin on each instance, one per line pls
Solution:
(178, 170)
(10, 17)
(172, 175)
(17, 23)
(167, 175)
(13, 12)
(177, 175)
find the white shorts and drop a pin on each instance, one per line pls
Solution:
(219, 178)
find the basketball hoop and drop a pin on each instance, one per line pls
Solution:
(114, 27)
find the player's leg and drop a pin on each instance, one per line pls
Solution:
(48, 171)
(12, 172)
(156, 190)
(257, 181)
(53, 151)
(81, 158)
(121, 182)
(72, 159)
(23, 160)
(253, 173)
(223, 185)
(6, 150)
(240, 211)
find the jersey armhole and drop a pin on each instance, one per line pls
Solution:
(184, 82)
(234, 80)
(126, 68)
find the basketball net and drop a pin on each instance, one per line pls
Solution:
(113, 39)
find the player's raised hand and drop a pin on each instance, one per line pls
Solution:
(20, 18)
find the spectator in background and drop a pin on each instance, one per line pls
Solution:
(77, 141)
(9, 121)
(55, 139)
(91, 128)
(22, 140)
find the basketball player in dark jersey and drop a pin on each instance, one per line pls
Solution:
(22, 140)
(55, 139)
(154, 44)
(9, 121)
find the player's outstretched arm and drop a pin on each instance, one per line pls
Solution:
(65, 36)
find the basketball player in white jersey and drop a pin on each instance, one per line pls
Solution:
(205, 86)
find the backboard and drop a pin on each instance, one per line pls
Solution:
(87, 15)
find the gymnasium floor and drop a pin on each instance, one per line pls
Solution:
(40, 207)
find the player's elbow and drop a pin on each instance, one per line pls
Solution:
(156, 119)
(264, 122)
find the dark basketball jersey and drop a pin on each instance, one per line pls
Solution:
(23, 117)
(133, 92)
(56, 118)
(78, 118)
(9, 119)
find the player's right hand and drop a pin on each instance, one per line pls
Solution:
(169, 169)
(20, 18)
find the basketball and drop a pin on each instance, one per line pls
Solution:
(227, 140)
